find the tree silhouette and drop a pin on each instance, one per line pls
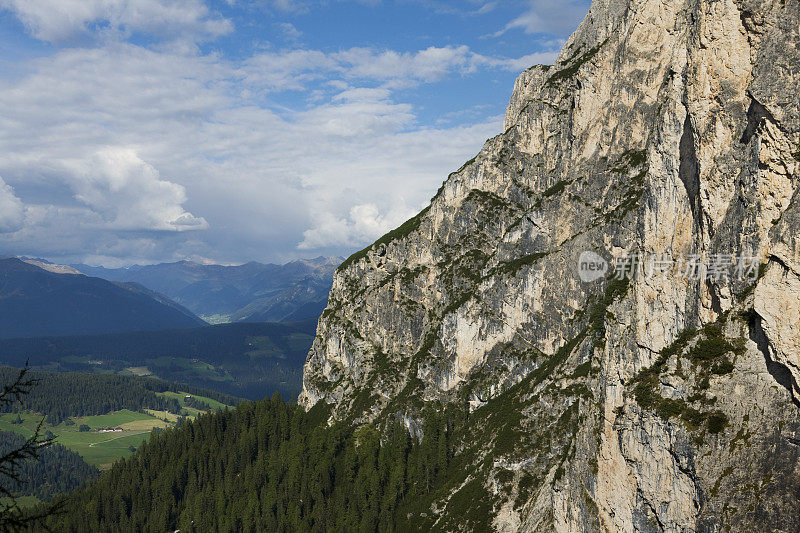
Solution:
(12, 517)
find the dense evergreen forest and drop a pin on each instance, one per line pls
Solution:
(57, 470)
(59, 396)
(270, 466)
(245, 360)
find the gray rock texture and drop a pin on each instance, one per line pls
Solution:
(664, 403)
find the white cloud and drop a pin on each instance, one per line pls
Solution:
(365, 223)
(120, 148)
(429, 65)
(521, 63)
(295, 69)
(12, 212)
(290, 31)
(129, 194)
(289, 6)
(450, 7)
(488, 7)
(296, 7)
(62, 20)
(548, 17)
(287, 70)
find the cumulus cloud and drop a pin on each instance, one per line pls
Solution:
(287, 70)
(121, 151)
(364, 224)
(521, 63)
(548, 17)
(164, 142)
(426, 66)
(62, 20)
(129, 194)
(450, 7)
(12, 212)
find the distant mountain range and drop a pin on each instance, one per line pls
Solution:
(253, 292)
(37, 299)
(61, 319)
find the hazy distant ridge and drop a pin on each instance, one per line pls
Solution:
(253, 292)
(37, 302)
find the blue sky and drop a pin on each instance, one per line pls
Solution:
(140, 131)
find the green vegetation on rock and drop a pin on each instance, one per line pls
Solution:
(709, 355)
(408, 227)
(573, 65)
(513, 266)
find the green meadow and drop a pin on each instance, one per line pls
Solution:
(23, 502)
(181, 397)
(103, 449)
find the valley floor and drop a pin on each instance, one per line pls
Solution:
(103, 449)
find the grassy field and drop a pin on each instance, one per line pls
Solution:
(195, 366)
(103, 449)
(117, 418)
(99, 449)
(23, 501)
(161, 415)
(181, 397)
(137, 371)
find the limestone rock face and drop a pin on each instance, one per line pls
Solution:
(668, 402)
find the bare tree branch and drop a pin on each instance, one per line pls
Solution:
(16, 391)
(12, 517)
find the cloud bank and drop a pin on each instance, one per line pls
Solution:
(12, 212)
(114, 151)
(58, 21)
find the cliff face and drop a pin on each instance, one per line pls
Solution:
(668, 402)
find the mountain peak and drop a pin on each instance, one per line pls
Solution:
(664, 134)
(41, 301)
(50, 267)
(252, 292)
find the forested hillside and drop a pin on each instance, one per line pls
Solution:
(245, 360)
(270, 466)
(59, 396)
(57, 470)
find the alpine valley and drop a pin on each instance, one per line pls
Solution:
(464, 378)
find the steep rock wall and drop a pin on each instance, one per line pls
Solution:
(662, 404)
